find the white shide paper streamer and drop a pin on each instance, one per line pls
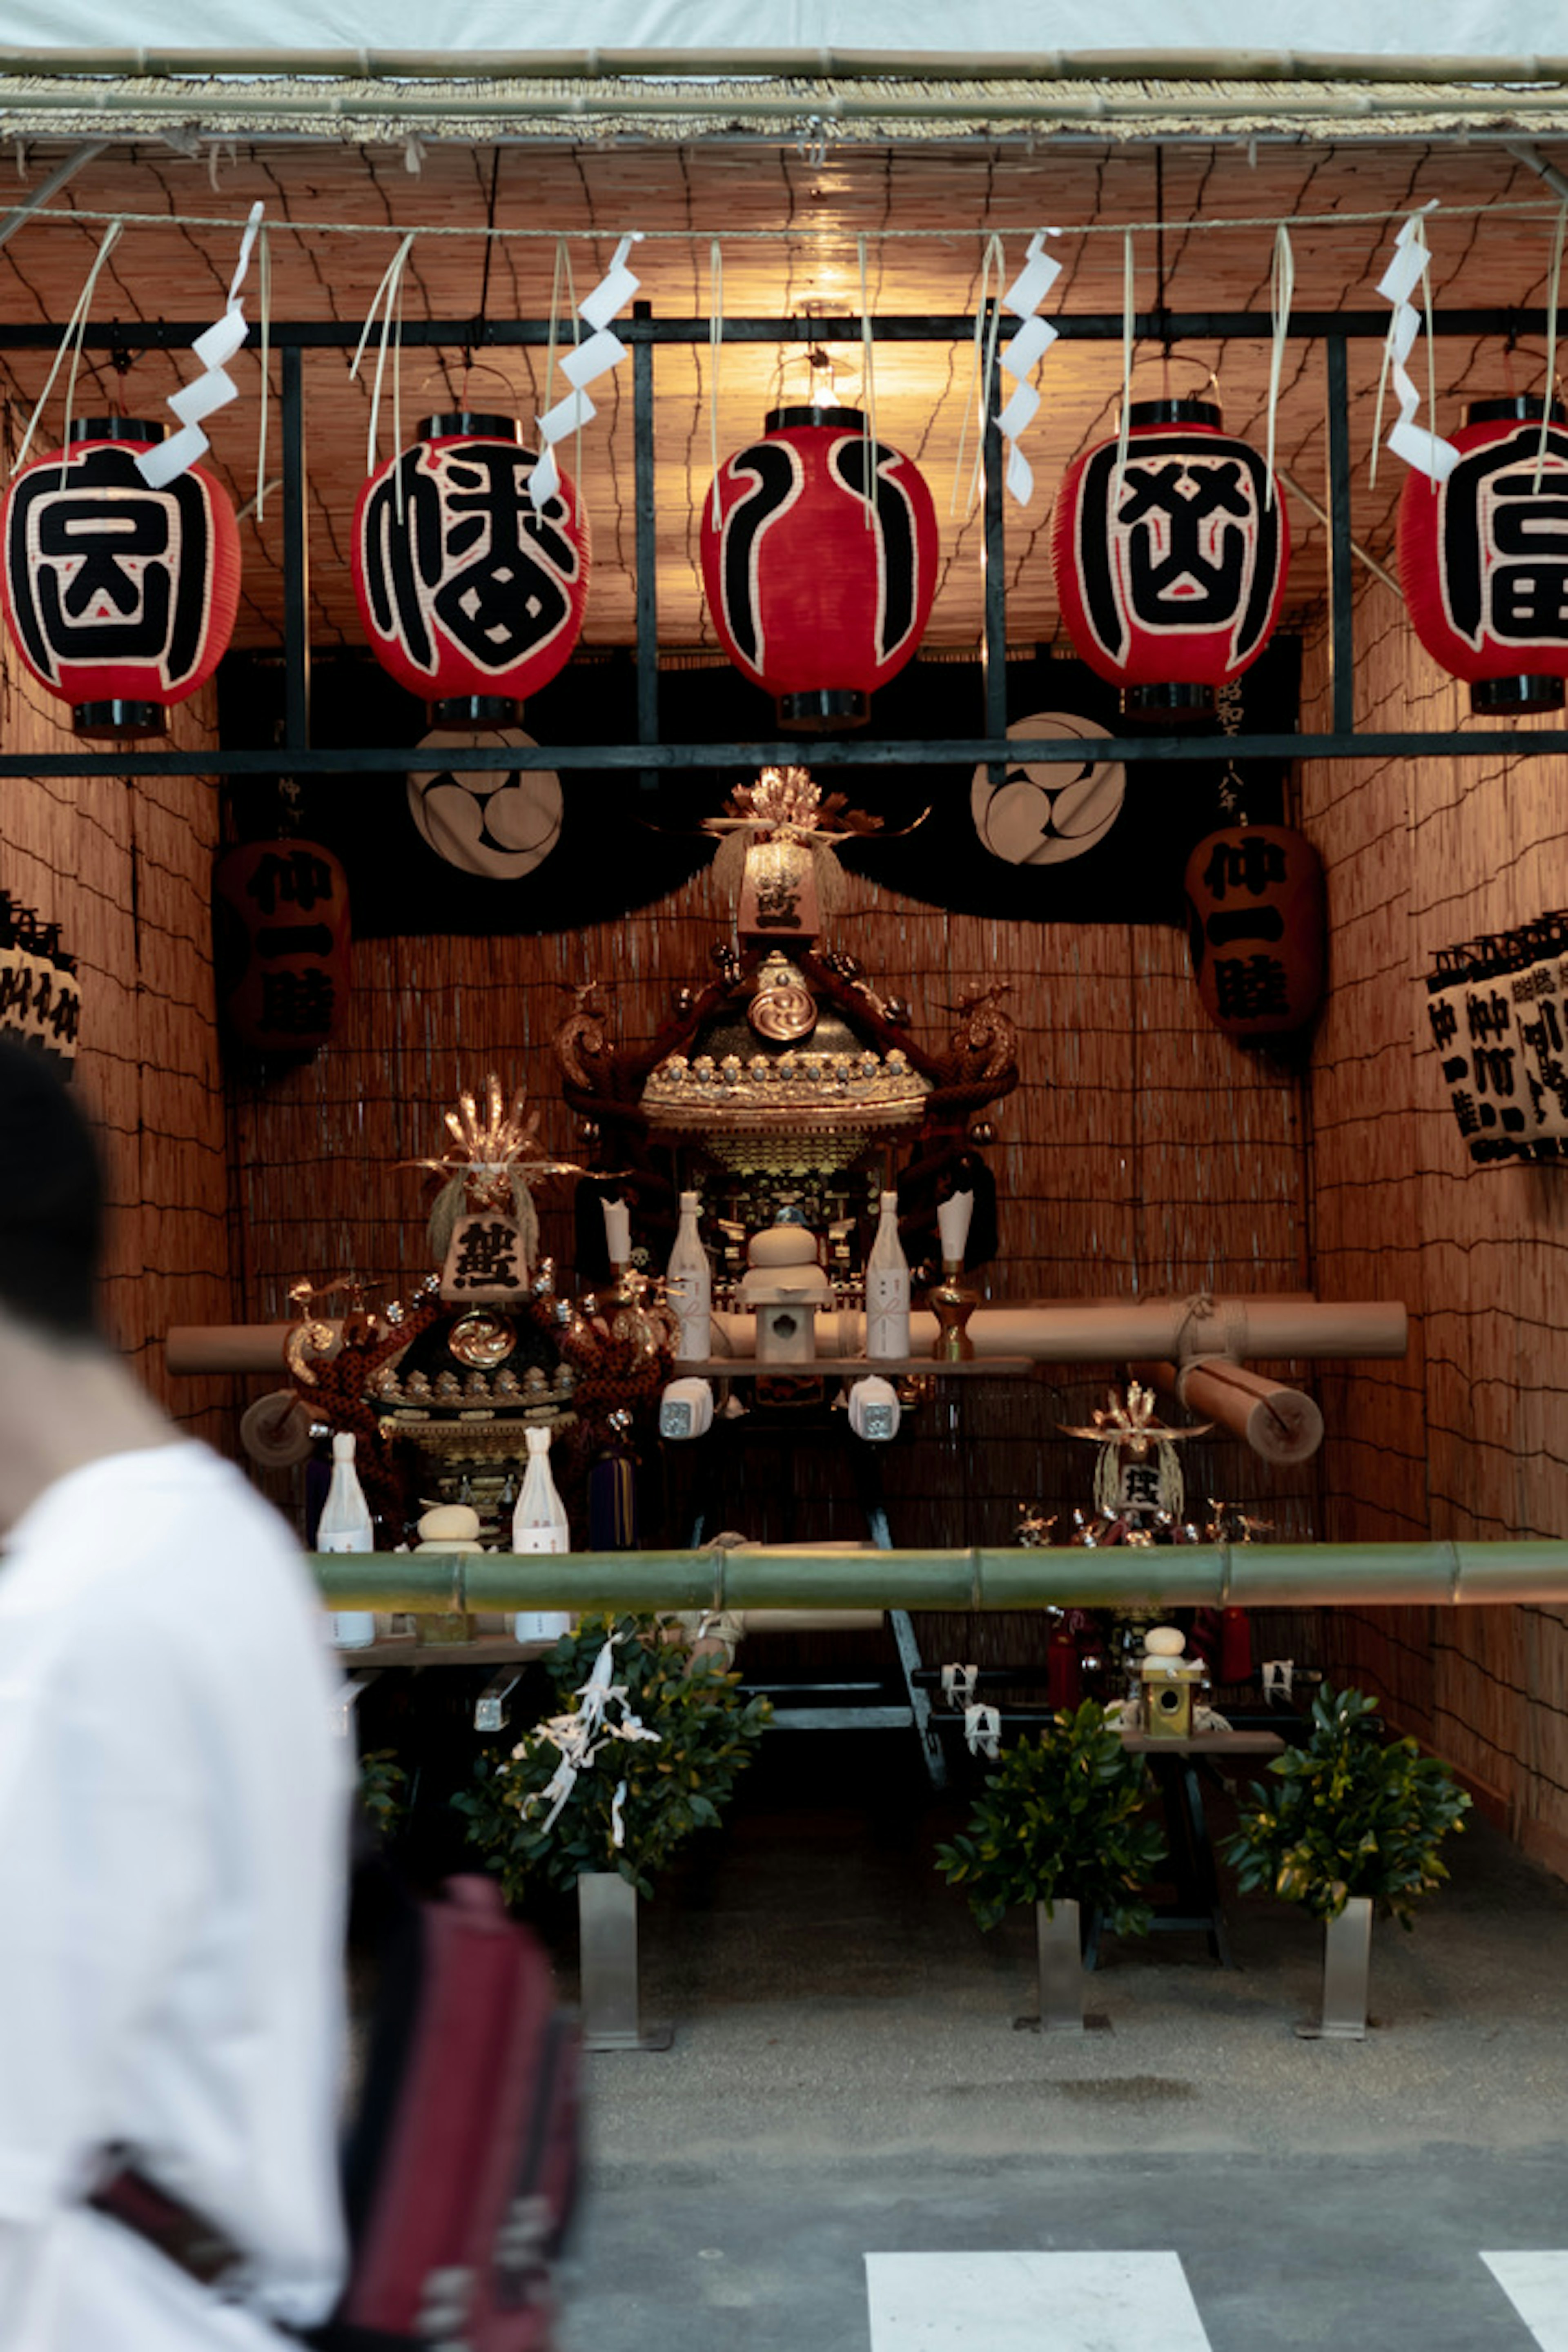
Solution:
(1024, 355)
(584, 363)
(580, 1737)
(1427, 452)
(214, 388)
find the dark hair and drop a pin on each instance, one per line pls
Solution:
(51, 1199)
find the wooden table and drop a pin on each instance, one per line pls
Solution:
(1177, 1766)
(363, 1664)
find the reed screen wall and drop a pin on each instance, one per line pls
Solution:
(1465, 1437)
(125, 870)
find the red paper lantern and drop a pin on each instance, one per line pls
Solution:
(812, 600)
(119, 598)
(469, 596)
(1483, 557)
(1256, 913)
(280, 944)
(1170, 572)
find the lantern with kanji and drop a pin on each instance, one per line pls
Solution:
(1483, 556)
(1170, 568)
(280, 944)
(1256, 916)
(469, 595)
(820, 566)
(119, 598)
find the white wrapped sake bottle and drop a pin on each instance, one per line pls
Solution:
(688, 1285)
(539, 1524)
(346, 1526)
(888, 1290)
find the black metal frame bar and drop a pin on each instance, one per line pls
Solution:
(643, 332)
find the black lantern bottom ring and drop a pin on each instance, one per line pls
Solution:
(1525, 692)
(477, 711)
(1174, 700)
(823, 709)
(119, 721)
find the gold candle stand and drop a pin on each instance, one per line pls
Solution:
(952, 1305)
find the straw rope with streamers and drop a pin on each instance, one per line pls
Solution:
(1428, 453)
(214, 387)
(1281, 288)
(72, 341)
(585, 364)
(496, 1162)
(1027, 348)
(784, 805)
(808, 234)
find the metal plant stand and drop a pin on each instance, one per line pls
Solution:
(1061, 1971)
(1347, 1957)
(607, 1935)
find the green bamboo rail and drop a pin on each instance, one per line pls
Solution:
(1166, 1576)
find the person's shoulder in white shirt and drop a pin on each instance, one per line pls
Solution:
(172, 1818)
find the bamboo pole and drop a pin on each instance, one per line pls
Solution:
(1280, 1424)
(1093, 1331)
(758, 1577)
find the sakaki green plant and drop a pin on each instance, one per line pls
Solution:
(1349, 1814)
(644, 1753)
(384, 1789)
(1062, 1819)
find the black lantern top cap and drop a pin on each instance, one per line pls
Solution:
(780, 420)
(469, 425)
(1174, 411)
(1523, 407)
(112, 428)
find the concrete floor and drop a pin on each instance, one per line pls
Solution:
(848, 2078)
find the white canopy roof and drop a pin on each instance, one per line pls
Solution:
(1466, 32)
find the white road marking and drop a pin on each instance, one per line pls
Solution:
(1033, 2303)
(1537, 2286)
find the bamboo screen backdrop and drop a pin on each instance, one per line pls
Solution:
(1143, 1154)
(125, 871)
